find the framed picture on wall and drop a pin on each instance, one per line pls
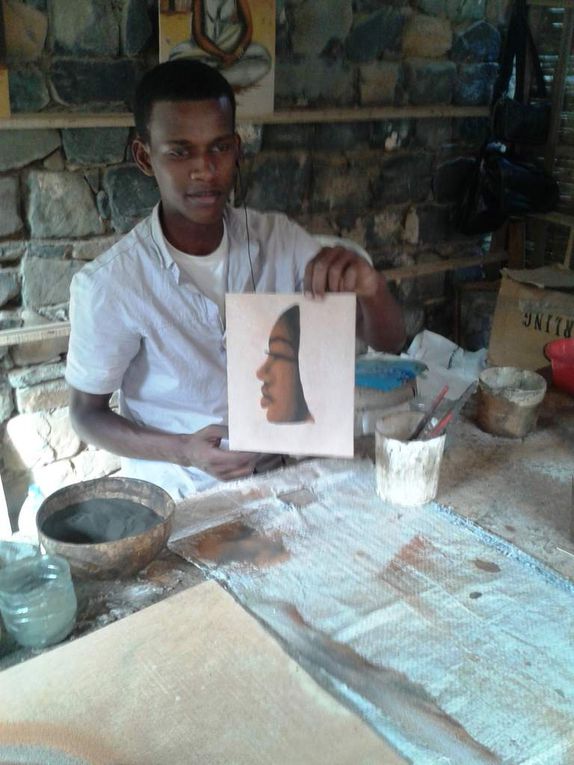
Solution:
(235, 36)
(291, 373)
(4, 92)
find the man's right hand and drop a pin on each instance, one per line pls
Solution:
(203, 450)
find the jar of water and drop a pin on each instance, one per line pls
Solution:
(37, 600)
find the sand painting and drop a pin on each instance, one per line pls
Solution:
(290, 373)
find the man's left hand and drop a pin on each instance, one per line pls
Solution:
(336, 269)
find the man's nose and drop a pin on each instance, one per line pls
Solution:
(202, 165)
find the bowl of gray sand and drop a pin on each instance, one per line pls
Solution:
(108, 528)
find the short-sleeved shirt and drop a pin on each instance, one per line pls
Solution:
(141, 326)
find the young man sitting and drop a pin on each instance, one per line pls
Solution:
(148, 315)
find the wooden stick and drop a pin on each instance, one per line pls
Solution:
(427, 417)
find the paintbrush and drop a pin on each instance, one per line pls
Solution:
(428, 416)
(449, 416)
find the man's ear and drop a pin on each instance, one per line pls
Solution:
(141, 155)
(238, 149)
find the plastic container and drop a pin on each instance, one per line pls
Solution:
(37, 600)
(560, 353)
(407, 472)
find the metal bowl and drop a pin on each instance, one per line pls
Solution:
(114, 559)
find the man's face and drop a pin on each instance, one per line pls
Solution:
(192, 152)
(280, 376)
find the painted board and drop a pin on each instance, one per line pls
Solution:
(192, 679)
(4, 92)
(290, 374)
(235, 36)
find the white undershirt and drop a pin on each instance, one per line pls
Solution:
(206, 271)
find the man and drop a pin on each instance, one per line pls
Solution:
(148, 315)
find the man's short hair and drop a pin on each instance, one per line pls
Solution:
(179, 80)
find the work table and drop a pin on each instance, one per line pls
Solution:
(520, 489)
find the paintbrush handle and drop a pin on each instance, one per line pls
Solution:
(441, 425)
(427, 417)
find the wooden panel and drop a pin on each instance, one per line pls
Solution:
(193, 679)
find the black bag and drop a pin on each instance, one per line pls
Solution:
(499, 186)
(525, 118)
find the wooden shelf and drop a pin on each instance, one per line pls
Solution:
(46, 120)
(62, 328)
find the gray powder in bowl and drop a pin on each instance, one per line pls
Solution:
(100, 520)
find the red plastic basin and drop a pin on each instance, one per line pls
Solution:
(561, 355)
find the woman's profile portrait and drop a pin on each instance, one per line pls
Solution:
(282, 395)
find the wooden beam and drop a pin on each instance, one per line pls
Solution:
(37, 334)
(448, 264)
(46, 120)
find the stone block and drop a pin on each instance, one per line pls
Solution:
(426, 37)
(465, 10)
(47, 282)
(341, 184)
(279, 181)
(43, 397)
(430, 286)
(132, 195)
(11, 252)
(84, 27)
(10, 220)
(27, 146)
(6, 400)
(136, 27)
(61, 205)
(403, 178)
(474, 84)
(95, 463)
(11, 318)
(314, 82)
(33, 440)
(38, 352)
(9, 284)
(478, 43)
(54, 162)
(28, 89)
(341, 136)
(43, 249)
(91, 248)
(414, 320)
(432, 133)
(95, 146)
(378, 83)
(103, 205)
(377, 33)
(287, 136)
(432, 7)
(81, 82)
(55, 476)
(25, 31)
(26, 442)
(24, 377)
(430, 82)
(313, 24)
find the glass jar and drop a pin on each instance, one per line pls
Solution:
(37, 600)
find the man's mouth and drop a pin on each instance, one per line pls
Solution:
(266, 399)
(207, 197)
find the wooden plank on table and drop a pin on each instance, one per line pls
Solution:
(192, 679)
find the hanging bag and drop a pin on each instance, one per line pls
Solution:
(524, 117)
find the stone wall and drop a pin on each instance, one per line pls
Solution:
(68, 194)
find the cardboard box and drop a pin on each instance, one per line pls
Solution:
(533, 307)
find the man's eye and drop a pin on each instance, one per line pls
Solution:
(177, 153)
(221, 148)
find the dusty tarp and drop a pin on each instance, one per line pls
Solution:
(451, 642)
